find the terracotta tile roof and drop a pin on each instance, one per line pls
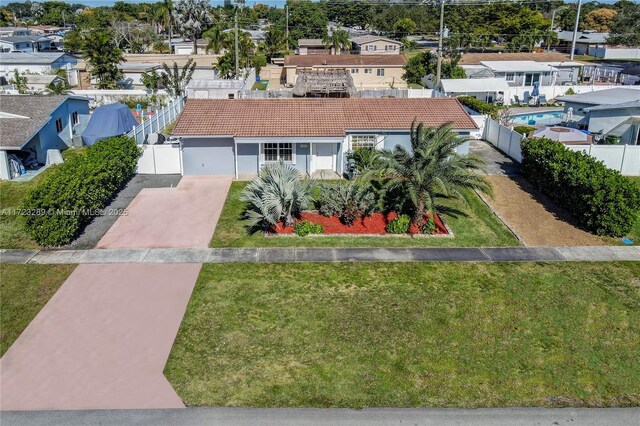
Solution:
(314, 117)
(477, 58)
(344, 60)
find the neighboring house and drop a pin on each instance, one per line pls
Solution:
(184, 47)
(256, 35)
(375, 45)
(367, 71)
(25, 43)
(132, 73)
(617, 52)
(30, 125)
(312, 46)
(489, 90)
(613, 112)
(238, 137)
(14, 31)
(35, 63)
(478, 58)
(586, 41)
(45, 29)
(523, 73)
(40, 82)
(218, 88)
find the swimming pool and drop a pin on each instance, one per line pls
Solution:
(547, 118)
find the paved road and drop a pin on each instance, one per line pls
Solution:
(297, 417)
(267, 255)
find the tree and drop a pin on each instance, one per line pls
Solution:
(215, 39)
(404, 27)
(417, 182)
(600, 20)
(152, 81)
(226, 65)
(176, 80)
(276, 196)
(273, 43)
(306, 20)
(7, 17)
(338, 40)
(61, 88)
(625, 28)
(103, 55)
(425, 63)
(192, 18)
(19, 81)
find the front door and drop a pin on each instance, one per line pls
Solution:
(324, 156)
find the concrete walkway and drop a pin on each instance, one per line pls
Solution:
(184, 216)
(101, 341)
(333, 416)
(267, 255)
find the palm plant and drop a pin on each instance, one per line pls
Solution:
(274, 42)
(417, 181)
(215, 39)
(338, 40)
(174, 79)
(276, 195)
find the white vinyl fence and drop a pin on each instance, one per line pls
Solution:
(163, 159)
(623, 158)
(158, 121)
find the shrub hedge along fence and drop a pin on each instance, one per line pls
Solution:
(603, 201)
(61, 206)
(479, 106)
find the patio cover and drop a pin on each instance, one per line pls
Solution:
(108, 120)
(474, 85)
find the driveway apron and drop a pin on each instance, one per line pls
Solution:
(103, 339)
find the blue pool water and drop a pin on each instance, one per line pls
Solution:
(547, 118)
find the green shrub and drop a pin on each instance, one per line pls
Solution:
(66, 201)
(603, 201)
(348, 202)
(305, 228)
(399, 225)
(524, 130)
(365, 159)
(479, 106)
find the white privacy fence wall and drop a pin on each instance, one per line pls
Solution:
(623, 158)
(158, 121)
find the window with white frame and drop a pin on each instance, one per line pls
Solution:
(391, 47)
(368, 70)
(354, 70)
(380, 72)
(276, 151)
(363, 141)
(371, 47)
(510, 76)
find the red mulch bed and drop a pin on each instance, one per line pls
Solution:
(372, 225)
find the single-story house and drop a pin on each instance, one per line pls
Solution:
(614, 112)
(488, 90)
(30, 125)
(523, 73)
(367, 71)
(238, 137)
(185, 47)
(24, 43)
(45, 29)
(35, 63)
(375, 45)
(219, 88)
(476, 58)
(312, 46)
(586, 41)
(40, 82)
(14, 31)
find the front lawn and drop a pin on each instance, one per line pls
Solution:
(24, 290)
(480, 228)
(410, 335)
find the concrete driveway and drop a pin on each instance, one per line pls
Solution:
(184, 216)
(101, 342)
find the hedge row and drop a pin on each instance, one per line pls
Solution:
(479, 106)
(603, 201)
(59, 208)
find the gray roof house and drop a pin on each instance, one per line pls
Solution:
(30, 125)
(610, 112)
(24, 43)
(586, 41)
(35, 63)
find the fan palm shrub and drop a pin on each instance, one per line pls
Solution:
(417, 182)
(277, 195)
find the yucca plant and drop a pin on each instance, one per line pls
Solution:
(277, 195)
(417, 181)
(348, 202)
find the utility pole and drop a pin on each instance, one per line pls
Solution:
(439, 68)
(236, 43)
(286, 12)
(575, 30)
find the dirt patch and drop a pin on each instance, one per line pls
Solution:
(537, 220)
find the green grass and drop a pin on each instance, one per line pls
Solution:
(480, 228)
(12, 194)
(260, 85)
(24, 290)
(413, 334)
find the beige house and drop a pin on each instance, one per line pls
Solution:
(367, 71)
(375, 45)
(312, 46)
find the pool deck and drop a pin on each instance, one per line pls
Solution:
(532, 110)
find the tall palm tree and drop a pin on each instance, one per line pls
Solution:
(168, 6)
(215, 39)
(338, 40)
(417, 181)
(274, 42)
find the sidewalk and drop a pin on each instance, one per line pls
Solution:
(284, 255)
